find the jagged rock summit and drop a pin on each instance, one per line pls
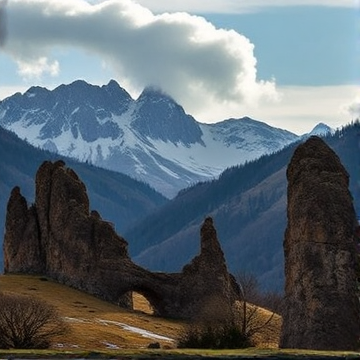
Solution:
(150, 138)
(321, 292)
(60, 237)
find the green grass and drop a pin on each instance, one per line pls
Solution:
(180, 354)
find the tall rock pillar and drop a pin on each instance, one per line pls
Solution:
(321, 301)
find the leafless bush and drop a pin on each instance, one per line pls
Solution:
(253, 318)
(27, 322)
(214, 328)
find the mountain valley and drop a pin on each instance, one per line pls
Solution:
(153, 139)
(248, 204)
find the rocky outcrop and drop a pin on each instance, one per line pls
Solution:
(59, 237)
(321, 301)
(21, 242)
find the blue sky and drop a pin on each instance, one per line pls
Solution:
(301, 45)
(281, 62)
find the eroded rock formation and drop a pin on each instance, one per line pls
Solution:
(59, 237)
(321, 300)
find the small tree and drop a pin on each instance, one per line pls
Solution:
(27, 322)
(252, 317)
(219, 326)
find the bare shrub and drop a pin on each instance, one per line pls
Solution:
(214, 328)
(27, 322)
(224, 336)
(257, 312)
(219, 326)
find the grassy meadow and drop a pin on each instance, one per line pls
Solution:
(95, 324)
(101, 329)
(98, 325)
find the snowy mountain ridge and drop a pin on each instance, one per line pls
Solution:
(150, 138)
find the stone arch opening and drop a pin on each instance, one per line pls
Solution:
(141, 303)
(154, 299)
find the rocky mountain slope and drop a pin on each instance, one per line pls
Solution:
(120, 199)
(248, 204)
(150, 138)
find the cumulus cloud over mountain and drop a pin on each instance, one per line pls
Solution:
(354, 108)
(183, 54)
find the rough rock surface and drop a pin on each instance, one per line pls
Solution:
(321, 301)
(59, 237)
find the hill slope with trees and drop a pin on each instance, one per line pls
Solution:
(248, 204)
(117, 197)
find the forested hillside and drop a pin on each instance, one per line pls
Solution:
(117, 197)
(248, 204)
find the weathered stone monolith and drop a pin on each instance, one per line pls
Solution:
(321, 301)
(61, 238)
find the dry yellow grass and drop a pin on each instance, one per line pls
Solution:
(95, 324)
(98, 325)
(269, 335)
(88, 334)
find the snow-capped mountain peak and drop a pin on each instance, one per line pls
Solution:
(159, 117)
(321, 129)
(155, 94)
(150, 138)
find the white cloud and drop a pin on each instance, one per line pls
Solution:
(6, 91)
(298, 109)
(236, 6)
(184, 55)
(302, 107)
(37, 67)
(353, 108)
(211, 72)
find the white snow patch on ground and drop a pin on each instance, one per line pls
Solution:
(109, 345)
(142, 332)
